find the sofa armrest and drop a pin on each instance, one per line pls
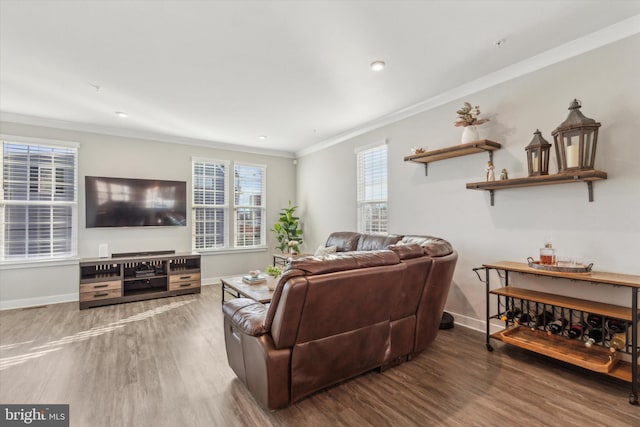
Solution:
(247, 315)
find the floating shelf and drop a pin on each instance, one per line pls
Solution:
(483, 145)
(587, 176)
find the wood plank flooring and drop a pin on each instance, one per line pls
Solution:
(163, 363)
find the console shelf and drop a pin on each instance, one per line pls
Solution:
(596, 358)
(588, 176)
(105, 281)
(483, 145)
(574, 330)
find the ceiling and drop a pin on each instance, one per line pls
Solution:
(297, 72)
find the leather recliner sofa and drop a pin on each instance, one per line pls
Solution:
(377, 302)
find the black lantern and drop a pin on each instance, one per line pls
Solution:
(538, 155)
(575, 140)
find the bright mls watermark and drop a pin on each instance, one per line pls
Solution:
(34, 415)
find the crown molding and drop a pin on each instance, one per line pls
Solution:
(592, 41)
(127, 133)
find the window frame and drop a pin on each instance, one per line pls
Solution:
(224, 206)
(362, 201)
(262, 207)
(230, 213)
(27, 257)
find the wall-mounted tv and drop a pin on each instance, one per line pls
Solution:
(128, 202)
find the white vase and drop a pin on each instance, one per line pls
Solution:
(272, 282)
(470, 134)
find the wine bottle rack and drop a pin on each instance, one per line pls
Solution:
(590, 334)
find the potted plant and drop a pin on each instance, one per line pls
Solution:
(468, 118)
(274, 273)
(287, 232)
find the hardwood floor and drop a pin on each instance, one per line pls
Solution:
(163, 363)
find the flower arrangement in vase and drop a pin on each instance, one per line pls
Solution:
(468, 118)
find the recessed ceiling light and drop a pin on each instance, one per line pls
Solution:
(262, 137)
(122, 114)
(377, 65)
(501, 42)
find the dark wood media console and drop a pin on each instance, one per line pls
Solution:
(136, 277)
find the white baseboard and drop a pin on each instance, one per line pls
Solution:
(473, 323)
(37, 301)
(210, 281)
(57, 299)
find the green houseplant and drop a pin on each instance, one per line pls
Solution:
(287, 230)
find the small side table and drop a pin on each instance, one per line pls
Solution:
(281, 259)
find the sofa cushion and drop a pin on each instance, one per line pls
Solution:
(408, 251)
(344, 241)
(432, 246)
(313, 265)
(371, 242)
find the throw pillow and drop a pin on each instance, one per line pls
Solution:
(324, 251)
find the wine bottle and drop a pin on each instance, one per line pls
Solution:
(557, 326)
(618, 342)
(595, 321)
(576, 330)
(596, 334)
(524, 319)
(616, 326)
(544, 319)
(511, 314)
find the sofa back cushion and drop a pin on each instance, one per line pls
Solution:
(344, 241)
(313, 265)
(432, 246)
(371, 242)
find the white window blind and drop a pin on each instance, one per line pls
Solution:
(210, 204)
(249, 200)
(38, 202)
(372, 189)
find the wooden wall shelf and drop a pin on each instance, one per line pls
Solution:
(483, 145)
(562, 178)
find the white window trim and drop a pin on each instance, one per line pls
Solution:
(361, 203)
(44, 261)
(230, 208)
(263, 243)
(227, 196)
(40, 141)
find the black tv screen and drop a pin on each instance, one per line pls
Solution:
(127, 202)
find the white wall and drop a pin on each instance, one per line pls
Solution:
(605, 232)
(102, 155)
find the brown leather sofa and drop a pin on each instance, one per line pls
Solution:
(378, 301)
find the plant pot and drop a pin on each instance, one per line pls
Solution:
(272, 282)
(470, 134)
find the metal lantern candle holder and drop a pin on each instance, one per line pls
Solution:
(575, 141)
(538, 155)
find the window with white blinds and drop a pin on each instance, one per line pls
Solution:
(38, 202)
(372, 189)
(249, 190)
(210, 204)
(213, 226)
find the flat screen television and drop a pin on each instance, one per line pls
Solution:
(128, 202)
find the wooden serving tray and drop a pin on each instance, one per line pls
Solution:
(581, 268)
(595, 358)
